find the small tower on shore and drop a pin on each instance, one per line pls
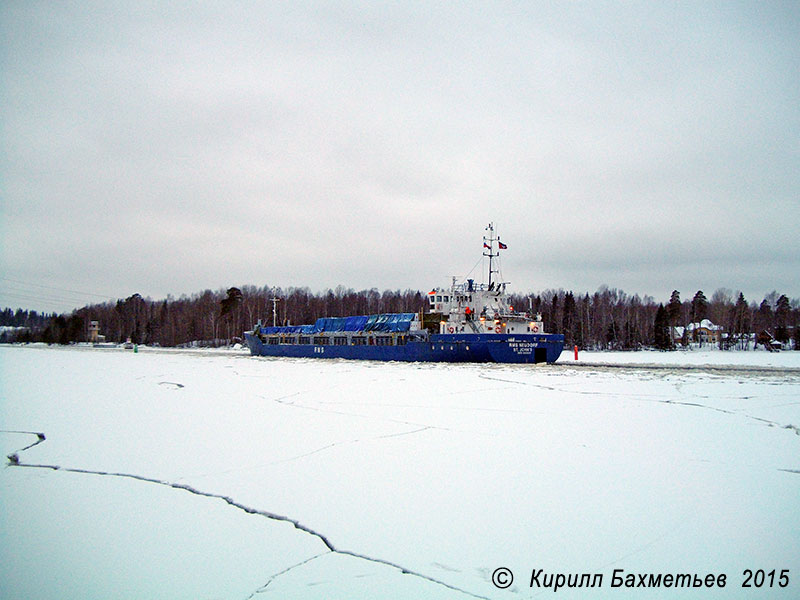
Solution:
(94, 333)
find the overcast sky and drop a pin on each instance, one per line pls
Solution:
(167, 148)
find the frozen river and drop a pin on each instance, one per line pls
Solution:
(215, 475)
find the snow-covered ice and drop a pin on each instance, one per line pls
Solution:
(219, 475)
(706, 356)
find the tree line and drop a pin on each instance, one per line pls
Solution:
(609, 319)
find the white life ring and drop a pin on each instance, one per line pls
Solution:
(534, 328)
(498, 329)
(450, 329)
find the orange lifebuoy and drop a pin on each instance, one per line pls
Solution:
(498, 329)
(534, 328)
(450, 329)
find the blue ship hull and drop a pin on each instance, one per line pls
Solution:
(465, 347)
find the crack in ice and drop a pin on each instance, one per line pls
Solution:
(644, 398)
(171, 383)
(13, 458)
(15, 462)
(311, 453)
(682, 368)
(344, 442)
(264, 587)
(282, 401)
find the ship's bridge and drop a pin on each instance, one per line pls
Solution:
(479, 308)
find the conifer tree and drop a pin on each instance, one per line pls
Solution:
(661, 337)
(699, 307)
(740, 328)
(782, 311)
(764, 318)
(568, 321)
(674, 308)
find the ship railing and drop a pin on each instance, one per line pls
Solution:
(465, 287)
(345, 338)
(506, 315)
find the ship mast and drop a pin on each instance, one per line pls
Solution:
(490, 246)
(275, 311)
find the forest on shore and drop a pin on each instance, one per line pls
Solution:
(609, 319)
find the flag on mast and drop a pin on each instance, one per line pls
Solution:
(501, 245)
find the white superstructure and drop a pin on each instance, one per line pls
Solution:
(471, 307)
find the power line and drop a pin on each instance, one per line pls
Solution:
(26, 289)
(13, 294)
(44, 295)
(40, 304)
(58, 289)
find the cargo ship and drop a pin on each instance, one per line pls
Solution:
(465, 322)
